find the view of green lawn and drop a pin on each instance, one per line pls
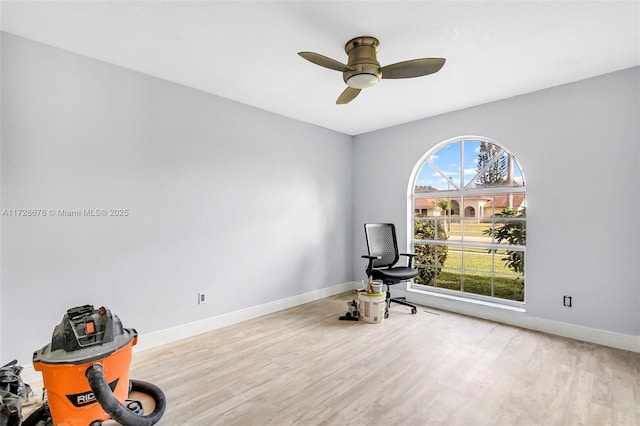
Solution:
(477, 278)
(475, 229)
(471, 228)
(510, 288)
(456, 228)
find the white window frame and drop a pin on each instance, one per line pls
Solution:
(461, 192)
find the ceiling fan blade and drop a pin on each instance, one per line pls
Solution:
(323, 61)
(413, 68)
(348, 95)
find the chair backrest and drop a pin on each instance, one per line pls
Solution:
(381, 241)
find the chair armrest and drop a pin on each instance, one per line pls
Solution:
(371, 259)
(410, 256)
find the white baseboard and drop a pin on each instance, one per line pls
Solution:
(522, 319)
(169, 335)
(163, 337)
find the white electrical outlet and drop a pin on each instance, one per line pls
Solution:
(202, 297)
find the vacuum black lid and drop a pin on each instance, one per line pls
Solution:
(85, 334)
(84, 326)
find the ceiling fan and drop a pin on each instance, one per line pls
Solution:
(363, 69)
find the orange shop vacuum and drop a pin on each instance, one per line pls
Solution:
(85, 370)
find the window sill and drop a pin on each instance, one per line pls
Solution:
(468, 300)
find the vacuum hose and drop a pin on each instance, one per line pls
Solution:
(118, 411)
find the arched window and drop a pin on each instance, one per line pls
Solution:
(479, 253)
(469, 212)
(455, 208)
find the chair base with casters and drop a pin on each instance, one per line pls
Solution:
(400, 301)
(383, 257)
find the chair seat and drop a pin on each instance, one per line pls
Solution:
(396, 274)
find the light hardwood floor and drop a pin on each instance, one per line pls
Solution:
(303, 366)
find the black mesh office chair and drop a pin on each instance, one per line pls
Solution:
(383, 255)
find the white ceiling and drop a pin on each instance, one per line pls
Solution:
(247, 50)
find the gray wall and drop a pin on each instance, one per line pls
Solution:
(244, 204)
(578, 145)
(252, 207)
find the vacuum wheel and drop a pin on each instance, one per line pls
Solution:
(414, 310)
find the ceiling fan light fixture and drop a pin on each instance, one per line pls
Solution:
(363, 70)
(362, 81)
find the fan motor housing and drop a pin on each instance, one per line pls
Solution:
(362, 58)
